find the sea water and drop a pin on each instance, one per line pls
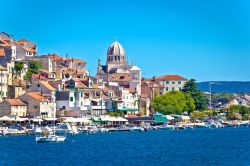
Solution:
(223, 146)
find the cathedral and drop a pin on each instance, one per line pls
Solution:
(116, 62)
(118, 70)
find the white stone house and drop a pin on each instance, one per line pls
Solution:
(13, 107)
(38, 105)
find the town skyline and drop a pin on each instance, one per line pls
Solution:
(206, 44)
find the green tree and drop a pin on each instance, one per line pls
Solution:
(33, 68)
(197, 115)
(199, 97)
(222, 98)
(19, 66)
(233, 112)
(174, 102)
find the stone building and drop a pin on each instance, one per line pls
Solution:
(13, 107)
(171, 82)
(38, 105)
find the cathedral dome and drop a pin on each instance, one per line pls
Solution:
(116, 49)
(116, 54)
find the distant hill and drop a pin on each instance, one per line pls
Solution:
(226, 86)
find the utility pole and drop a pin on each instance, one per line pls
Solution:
(210, 96)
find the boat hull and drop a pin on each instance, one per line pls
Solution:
(52, 138)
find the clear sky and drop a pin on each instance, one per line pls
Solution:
(201, 39)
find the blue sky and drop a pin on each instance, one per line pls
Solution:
(205, 40)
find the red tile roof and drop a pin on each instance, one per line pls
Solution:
(47, 85)
(2, 68)
(16, 102)
(37, 96)
(38, 76)
(170, 78)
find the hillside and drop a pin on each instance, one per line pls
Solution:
(226, 86)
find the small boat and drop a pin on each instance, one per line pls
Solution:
(4, 132)
(50, 138)
(135, 128)
(111, 130)
(84, 129)
(122, 128)
(166, 127)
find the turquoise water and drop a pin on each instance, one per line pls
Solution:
(226, 146)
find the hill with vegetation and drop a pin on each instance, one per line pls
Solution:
(226, 86)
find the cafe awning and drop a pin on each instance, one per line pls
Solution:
(5, 118)
(160, 119)
(125, 109)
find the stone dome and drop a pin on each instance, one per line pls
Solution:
(116, 49)
(116, 53)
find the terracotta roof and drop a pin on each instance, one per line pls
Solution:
(55, 82)
(25, 41)
(78, 83)
(73, 71)
(79, 61)
(2, 68)
(5, 42)
(2, 52)
(55, 57)
(47, 85)
(18, 82)
(30, 48)
(43, 71)
(37, 96)
(81, 79)
(95, 86)
(170, 78)
(38, 76)
(120, 77)
(151, 84)
(16, 102)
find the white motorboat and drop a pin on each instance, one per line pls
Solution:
(166, 127)
(50, 138)
(135, 128)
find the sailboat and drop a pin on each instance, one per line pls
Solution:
(48, 136)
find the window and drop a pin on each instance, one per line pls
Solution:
(81, 94)
(160, 93)
(166, 88)
(179, 82)
(179, 88)
(173, 88)
(71, 83)
(173, 82)
(71, 99)
(167, 82)
(38, 85)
